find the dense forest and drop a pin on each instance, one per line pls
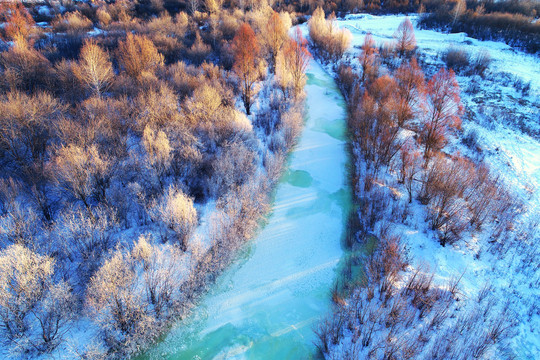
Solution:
(121, 123)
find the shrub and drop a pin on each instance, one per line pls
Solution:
(481, 62)
(25, 68)
(175, 210)
(18, 22)
(199, 51)
(72, 22)
(516, 29)
(330, 41)
(28, 297)
(456, 59)
(443, 190)
(104, 18)
(138, 56)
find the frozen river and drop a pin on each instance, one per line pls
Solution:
(265, 305)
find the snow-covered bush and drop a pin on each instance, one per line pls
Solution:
(117, 303)
(176, 212)
(34, 310)
(233, 166)
(330, 41)
(396, 313)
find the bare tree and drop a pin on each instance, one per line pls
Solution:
(296, 59)
(274, 37)
(82, 172)
(443, 110)
(410, 80)
(175, 210)
(410, 167)
(368, 60)
(94, 69)
(138, 56)
(405, 39)
(29, 296)
(246, 52)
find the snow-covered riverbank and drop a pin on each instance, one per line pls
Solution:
(503, 122)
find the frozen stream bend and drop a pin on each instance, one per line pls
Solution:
(264, 306)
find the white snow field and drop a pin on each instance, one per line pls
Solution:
(506, 123)
(265, 304)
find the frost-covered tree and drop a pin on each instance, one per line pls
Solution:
(94, 69)
(34, 311)
(25, 126)
(86, 239)
(82, 173)
(20, 225)
(234, 166)
(116, 303)
(138, 56)
(162, 268)
(157, 108)
(296, 60)
(175, 210)
(202, 107)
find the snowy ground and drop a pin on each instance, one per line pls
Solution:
(506, 123)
